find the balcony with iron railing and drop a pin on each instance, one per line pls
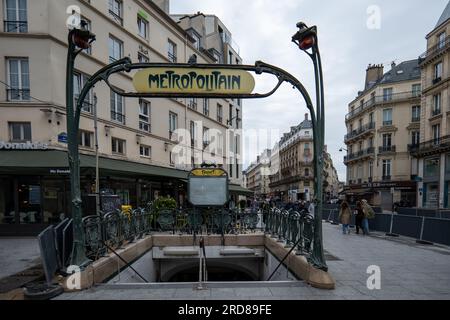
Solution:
(436, 145)
(116, 17)
(435, 112)
(172, 57)
(433, 81)
(386, 149)
(435, 50)
(360, 131)
(360, 154)
(383, 99)
(386, 178)
(18, 94)
(415, 119)
(15, 26)
(117, 116)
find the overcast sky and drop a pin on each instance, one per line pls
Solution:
(350, 38)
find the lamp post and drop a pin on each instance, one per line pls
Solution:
(78, 40)
(306, 39)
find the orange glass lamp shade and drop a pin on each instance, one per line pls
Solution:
(307, 43)
(80, 41)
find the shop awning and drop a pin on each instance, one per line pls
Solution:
(240, 190)
(44, 161)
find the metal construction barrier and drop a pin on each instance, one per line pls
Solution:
(436, 230)
(381, 222)
(409, 226)
(49, 257)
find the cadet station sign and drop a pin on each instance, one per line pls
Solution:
(193, 80)
(208, 187)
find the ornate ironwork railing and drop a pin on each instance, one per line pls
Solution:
(291, 227)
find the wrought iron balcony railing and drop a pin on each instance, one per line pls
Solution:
(362, 153)
(15, 26)
(119, 117)
(436, 112)
(117, 18)
(415, 119)
(386, 178)
(172, 57)
(436, 144)
(386, 149)
(435, 50)
(365, 128)
(383, 100)
(18, 94)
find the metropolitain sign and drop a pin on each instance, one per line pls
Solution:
(193, 80)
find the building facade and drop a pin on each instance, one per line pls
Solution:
(257, 176)
(432, 154)
(137, 137)
(295, 179)
(331, 187)
(382, 121)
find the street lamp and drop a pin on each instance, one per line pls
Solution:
(78, 40)
(306, 39)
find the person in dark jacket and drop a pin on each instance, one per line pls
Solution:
(359, 217)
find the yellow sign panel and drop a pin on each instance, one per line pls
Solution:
(208, 172)
(193, 80)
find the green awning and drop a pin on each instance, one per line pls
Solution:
(11, 161)
(234, 188)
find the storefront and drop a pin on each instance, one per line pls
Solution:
(35, 187)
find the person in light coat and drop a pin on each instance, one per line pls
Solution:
(345, 216)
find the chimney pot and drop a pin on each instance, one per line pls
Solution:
(306, 116)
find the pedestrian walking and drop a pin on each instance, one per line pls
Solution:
(368, 214)
(359, 217)
(345, 215)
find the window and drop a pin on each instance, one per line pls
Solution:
(206, 107)
(371, 142)
(436, 104)
(172, 51)
(117, 108)
(115, 11)
(86, 139)
(145, 151)
(196, 37)
(415, 138)
(306, 172)
(173, 123)
(386, 169)
(415, 114)
(230, 57)
(387, 117)
(16, 16)
(387, 140)
(230, 170)
(79, 80)
(438, 71)
(192, 103)
(19, 79)
(219, 113)
(115, 49)
(370, 169)
(143, 58)
(371, 120)
(387, 94)
(19, 131)
(118, 145)
(142, 27)
(436, 132)
(237, 118)
(144, 116)
(193, 132)
(237, 170)
(441, 40)
(205, 136)
(416, 90)
(431, 167)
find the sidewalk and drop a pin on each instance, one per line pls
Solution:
(19, 262)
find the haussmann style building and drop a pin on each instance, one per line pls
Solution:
(137, 137)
